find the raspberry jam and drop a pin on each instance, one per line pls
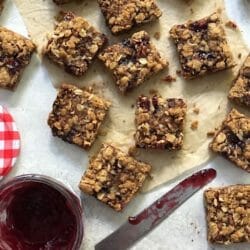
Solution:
(38, 213)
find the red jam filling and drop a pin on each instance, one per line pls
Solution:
(36, 216)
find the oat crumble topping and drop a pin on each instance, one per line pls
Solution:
(122, 15)
(15, 55)
(132, 61)
(77, 115)
(232, 140)
(240, 91)
(228, 214)
(159, 123)
(202, 46)
(74, 44)
(114, 177)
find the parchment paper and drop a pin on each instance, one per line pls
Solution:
(209, 93)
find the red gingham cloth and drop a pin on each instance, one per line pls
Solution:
(9, 142)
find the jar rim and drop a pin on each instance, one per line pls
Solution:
(73, 201)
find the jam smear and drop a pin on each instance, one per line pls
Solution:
(35, 216)
(173, 198)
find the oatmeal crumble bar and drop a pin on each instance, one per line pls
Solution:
(15, 55)
(228, 214)
(159, 123)
(202, 46)
(240, 91)
(114, 177)
(232, 140)
(122, 15)
(132, 61)
(77, 115)
(74, 44)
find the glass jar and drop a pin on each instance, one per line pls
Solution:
(38, 212)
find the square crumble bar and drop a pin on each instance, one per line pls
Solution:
(228, 214)
(202, 46)
(114, 177)
(122, 15)
(15, 55)
(159, 123)
(233, 139)
(74, 44)
(240, 91)
(132, 61)
(77, 115)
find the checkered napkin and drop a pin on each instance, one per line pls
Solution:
(9, 142)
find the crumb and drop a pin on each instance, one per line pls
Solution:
(133, 151)
(194, 125)
(178, 72)
(103, 132)
(132, 106)
(169, 79)
(153, 92)
(211, 133)
(196, 111)
(157, 35)
(59, 2)
(239, 55)
(231, 24)
(188, 2)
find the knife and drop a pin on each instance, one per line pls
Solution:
(138, 226)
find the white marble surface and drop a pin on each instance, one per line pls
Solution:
(43, 154)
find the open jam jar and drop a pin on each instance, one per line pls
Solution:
(38, 213)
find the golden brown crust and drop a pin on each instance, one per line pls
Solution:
(77, 115)
(228, 214)
(202, 46)
(159, 123)
(233, 139)
(114, 177)
(132, 61)
(122, 15)
(74, 44)
(15, 55)
(240, 91)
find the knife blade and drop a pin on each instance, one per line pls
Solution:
(138, 226)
